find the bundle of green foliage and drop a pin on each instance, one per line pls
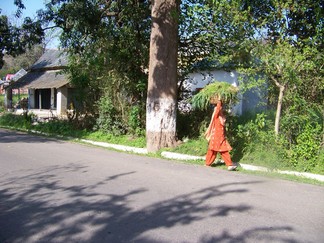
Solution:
(224, 91)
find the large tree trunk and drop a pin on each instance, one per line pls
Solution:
(323, 126)
(161, 105)
(279, 105)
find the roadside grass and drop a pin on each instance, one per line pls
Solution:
(268, 174)
(128, 140)
(66, 129)
(197, 147)
(15, 99)
(13, 121)
(270, 157)
(276, 175)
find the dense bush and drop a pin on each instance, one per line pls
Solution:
(251, 136)
(1, 104)
(67, 129)
(135, 120)
(23, 121)
(58, 127)
(15, 99)
(254, 141)
(304, 154)
(193, 123)
(109, 119)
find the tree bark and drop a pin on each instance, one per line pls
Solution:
(8, 98)
(161, 105)
(323, 125)
(279, 105)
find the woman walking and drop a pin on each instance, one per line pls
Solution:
(218, 143)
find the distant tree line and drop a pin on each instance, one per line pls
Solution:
(278, 41)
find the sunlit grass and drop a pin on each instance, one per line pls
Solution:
(196, 147)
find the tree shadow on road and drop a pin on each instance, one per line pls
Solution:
(8, 136)
(38, 207)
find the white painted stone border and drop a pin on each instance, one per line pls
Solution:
(303, 174)
(172, 155)
(178, 156)
(117, 146)
(285, 172)
(254, 167)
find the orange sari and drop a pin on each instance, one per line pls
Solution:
(215, 133)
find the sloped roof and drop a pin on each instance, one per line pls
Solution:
(46, 72)
(42, 80)
(51, 59)
(19, 74)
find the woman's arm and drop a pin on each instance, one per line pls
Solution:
(215, 115)
(218, 109)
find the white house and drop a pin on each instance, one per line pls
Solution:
(249, 101)
(48, 86)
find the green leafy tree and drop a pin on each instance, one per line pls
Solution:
(25, 60)
(15, 40)
(108, 43)
(282, 51)
(277, 41)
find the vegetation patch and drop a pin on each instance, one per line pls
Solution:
(223, 91)
(129, 140)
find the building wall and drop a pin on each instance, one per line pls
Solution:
(62, 98)
(31, 98)
(199, 80)
(248, 101)
(56, 99)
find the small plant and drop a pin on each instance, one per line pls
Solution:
(226, 92)
(134, 121)
(305, 152)
(17, 121)
(109, 119)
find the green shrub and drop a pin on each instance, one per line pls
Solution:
(268, 156)
(319, 166)
(2, 108)
(297, 116)
(23, 121)
(109, 119)
(255, 142)
(136, 141)
(192, 124)
(135, 122)
(304, 154)
(58, 127)
(245, 137)
(197, 147)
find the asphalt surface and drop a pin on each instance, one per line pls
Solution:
(56, 191)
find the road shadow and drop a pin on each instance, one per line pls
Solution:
(9, 136)
(36, 207)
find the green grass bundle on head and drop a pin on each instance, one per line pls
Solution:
(224, 91)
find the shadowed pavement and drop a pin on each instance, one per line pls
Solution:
(55, 191)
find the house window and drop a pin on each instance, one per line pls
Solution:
(43, 98)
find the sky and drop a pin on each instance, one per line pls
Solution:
(31, 6)
(8, 7)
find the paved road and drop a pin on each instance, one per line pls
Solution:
(56, 191)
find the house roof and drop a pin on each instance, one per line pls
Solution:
(19, 74)
(206, 64)
(46, 72)
(51, 59)
(42, 80)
